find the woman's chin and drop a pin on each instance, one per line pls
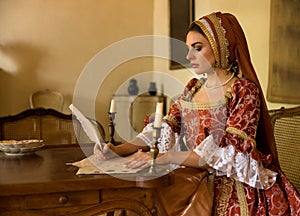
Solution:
(199, 72)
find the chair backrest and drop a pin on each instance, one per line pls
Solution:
(142, 106)
(47, 99)
(54, 128)
(286, 126)
(99, 127)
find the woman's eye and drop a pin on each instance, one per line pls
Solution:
(198, 48)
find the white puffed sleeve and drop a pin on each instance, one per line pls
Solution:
(167, 139)
(240, 166)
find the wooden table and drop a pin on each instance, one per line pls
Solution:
(42, 184)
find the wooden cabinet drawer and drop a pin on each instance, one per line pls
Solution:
(50, 200)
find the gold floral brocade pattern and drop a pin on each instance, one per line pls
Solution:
(223, 42)
(225, 191)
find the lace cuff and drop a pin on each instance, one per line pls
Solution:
(166, 140)
(238, 165)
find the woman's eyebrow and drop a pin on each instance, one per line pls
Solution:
(193, 44)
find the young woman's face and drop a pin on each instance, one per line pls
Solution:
(200, 53)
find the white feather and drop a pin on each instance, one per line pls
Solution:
(91, 131)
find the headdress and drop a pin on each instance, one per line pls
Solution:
(229, 45)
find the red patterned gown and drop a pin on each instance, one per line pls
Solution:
(223, 134)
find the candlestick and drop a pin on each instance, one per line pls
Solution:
(154, 151)
(112, 127)
(158, 115)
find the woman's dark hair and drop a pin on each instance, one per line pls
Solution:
(195, 27)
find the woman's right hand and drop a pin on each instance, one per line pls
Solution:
(107, 152)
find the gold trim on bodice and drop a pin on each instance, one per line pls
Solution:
(241, 134)
(201, 106)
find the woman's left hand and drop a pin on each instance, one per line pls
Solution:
(140, 160)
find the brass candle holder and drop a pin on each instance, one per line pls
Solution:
(154, 151)
(112, 127)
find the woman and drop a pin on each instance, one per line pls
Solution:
(231, 163)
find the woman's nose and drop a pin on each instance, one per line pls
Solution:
(189, 55)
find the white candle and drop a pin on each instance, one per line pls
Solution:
(112, 106)
(158, 115)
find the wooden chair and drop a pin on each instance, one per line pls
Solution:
(286, 126)
(54, 128)
(142, 106)
(47, 99)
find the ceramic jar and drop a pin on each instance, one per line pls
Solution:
(152, 88)
(133, 88)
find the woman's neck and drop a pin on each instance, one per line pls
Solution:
(218, 78)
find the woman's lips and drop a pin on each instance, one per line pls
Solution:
(195, 65)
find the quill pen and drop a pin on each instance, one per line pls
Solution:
(87, 126)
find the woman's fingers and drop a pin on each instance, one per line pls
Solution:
(141, 160)
(141, 156)
(98, 153)
(105, 149)
(137, 164)
(106, 152)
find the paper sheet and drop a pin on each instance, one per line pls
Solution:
(91, 165)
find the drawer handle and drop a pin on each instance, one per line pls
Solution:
(63, 199)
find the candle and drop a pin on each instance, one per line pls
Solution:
(158, 115)
(112, 106)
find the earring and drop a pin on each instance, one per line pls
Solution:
(215, 64)
(234, 68)
(226, 71)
